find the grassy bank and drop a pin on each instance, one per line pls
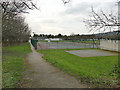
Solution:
(13, 64)
(91, 70)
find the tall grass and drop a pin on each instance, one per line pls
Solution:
(13, 64)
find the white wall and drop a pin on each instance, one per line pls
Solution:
(112, 45)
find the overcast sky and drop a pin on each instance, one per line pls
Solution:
(54, 17)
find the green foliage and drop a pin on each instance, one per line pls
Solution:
(115, 70)
(13, 64)
(93, 70)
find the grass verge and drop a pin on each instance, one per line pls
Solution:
(94, 71)
(13, 64)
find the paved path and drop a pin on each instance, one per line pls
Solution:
(41, 74)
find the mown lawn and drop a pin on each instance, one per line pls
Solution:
(13, 64)
(94, 71)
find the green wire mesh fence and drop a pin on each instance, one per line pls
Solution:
(34, 43)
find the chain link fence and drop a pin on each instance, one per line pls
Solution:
(65, 45)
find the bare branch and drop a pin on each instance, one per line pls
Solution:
(100, 20)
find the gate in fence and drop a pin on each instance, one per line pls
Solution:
(34, 43)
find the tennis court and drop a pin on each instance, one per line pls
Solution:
(64, 45)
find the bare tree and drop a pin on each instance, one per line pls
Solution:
(66, 1)
(102, 21)
(14, 29)
(17, 6)
(20, 6)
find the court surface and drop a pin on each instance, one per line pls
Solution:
(92, 53)
(64, 45)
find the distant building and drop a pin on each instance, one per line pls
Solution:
(54, 39)
(41, 38)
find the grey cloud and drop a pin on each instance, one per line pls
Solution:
(84, 8)
(52, 21)
(67, 20)
(81, 8)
